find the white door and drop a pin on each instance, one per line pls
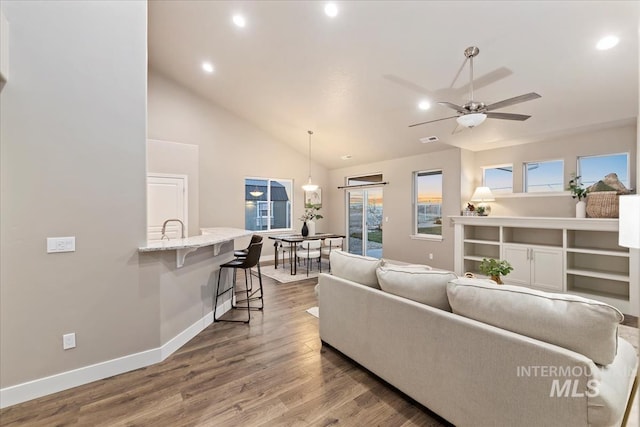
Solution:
(166, 199)
(546, 269)
(518, 257)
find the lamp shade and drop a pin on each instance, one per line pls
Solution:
(629, 222)
(471, 120)
(482, 194)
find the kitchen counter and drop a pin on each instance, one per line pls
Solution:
(213, 236)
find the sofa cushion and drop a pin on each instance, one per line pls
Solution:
(357, 268)
(583, 325)
(426, 286)
(390, 262)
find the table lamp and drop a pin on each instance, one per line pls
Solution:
(483, 195)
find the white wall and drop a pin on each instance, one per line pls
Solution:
(605, 141)
(230, 150)
(397, 204)
(73, 164)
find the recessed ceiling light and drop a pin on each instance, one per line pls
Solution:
(346, 157)
(239, 20)
(607, 42)
(428, 139)
(424, 105)
(207, 67)
(331, 10)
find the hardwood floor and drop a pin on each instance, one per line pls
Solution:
(273, 371)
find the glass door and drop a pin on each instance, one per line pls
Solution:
(364, 222)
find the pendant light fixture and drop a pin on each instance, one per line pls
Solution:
(309, 186)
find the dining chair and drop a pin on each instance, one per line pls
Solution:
(310, 250)
(331, 244)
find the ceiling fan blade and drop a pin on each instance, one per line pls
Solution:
(484, 80)
(453, 106)
(431, 121)
(409, 85)
(512, 101)
(508, 116)
(458, 73)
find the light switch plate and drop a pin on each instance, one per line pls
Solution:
(61, 244)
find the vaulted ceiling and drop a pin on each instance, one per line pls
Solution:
(356, 79)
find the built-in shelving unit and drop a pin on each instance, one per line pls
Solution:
(572, 255)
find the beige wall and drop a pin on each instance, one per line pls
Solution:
(230, 150)
(397, 204)
(611, 140)
(72, 147)
(181, 159)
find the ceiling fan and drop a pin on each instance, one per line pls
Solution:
(474, 113)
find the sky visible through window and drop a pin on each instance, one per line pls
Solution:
(499, 179)
(593, 168)
(544, 176)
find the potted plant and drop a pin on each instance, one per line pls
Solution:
(578, 192)
(495, 268)
(309, 226)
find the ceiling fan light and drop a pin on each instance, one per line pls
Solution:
(471, 120)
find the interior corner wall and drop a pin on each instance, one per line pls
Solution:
(231, 149)
(398, 202)
(72, 149)
(616, 139)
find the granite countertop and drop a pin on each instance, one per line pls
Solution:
(210, 236)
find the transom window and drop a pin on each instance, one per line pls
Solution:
(427, 203)
(594, 168)
(267, 204)
(540, 177)
(498, 178)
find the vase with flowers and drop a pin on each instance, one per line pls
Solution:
(309, 225)
(578, 192)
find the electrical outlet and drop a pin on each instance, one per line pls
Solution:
(69, 341)
(430, 256)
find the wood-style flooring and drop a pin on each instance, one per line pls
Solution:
(271, 372)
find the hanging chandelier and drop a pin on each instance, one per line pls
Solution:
(310, 186)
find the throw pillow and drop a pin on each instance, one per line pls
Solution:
(583, 325)
(417, 283)
(357, 268)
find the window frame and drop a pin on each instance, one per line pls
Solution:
(579, 172)
(269, 203)
(484, 182)
(414, 194)
(525, 177)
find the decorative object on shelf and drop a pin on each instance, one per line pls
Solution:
(603, 204)
(495, 268)
(629, 234)
(483, 195)
(469, 210)
(309, 186)
(609, 183)
(310, 214)
(578, 192)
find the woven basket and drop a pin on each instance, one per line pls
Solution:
(602, 204)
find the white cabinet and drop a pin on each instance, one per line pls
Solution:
(536, 267)
(580, 256)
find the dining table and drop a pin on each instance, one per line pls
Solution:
(292, 240)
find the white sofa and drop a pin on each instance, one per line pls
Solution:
(470, 372)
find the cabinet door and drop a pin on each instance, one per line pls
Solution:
(518, 257)
(546, 269)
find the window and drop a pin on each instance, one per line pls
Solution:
(498, 178)
(540, 177)
(428, 203)
(267, 203)
(593, 168)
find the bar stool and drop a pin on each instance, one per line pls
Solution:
(246, 263)
(242, 253)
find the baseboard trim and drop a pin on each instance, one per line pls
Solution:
(19, 393)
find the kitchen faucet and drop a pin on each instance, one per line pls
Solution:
(164, 228)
